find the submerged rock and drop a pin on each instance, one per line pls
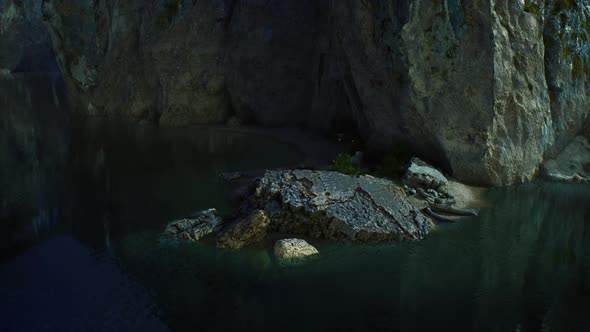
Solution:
(248, 230)
(572, 164)
(335, 206)
(289, 249)
(195, 227)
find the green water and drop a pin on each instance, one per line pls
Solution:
(523, 265)
(85, 201)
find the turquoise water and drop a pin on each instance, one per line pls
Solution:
(82, 205)
(523, 265)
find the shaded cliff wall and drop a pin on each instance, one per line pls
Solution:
(484, 88)
(25, 45)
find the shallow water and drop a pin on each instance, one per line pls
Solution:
(82, 205)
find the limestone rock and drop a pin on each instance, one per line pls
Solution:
(572, 164)
(194, 227)
(143, 61)
(335, 206)
(249, 230)
(270, 60)
(289, 249)
(420, 174)
(398, 72)
(25, 45)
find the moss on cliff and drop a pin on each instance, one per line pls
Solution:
(532, 7)
(568, 32)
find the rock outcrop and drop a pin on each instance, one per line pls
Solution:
(25, 45)
(294, 249)
(195, 227)
(484, 88)
(335, 206)
(572, 164)
(420, 174)
(245, 231)
(318, 204)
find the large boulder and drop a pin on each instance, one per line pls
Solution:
(572, 164)
(335, 206)
(420, 174)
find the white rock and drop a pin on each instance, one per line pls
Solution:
(294, 248)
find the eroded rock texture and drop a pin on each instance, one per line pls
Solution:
(335, 206)
(484, 88)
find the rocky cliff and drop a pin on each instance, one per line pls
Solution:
(485, 88)
(25, 45)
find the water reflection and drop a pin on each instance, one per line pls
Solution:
(34, 146)
(91, 176)
(523, 265)
(512, 267)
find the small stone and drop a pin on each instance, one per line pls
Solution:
(293, 249)
(432, 192)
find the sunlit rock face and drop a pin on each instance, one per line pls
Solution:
(25, 45)
(484, 88)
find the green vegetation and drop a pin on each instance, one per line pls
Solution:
(168, 14)
(343, 164)
(569, 33)
(532, 7)
(563, 5)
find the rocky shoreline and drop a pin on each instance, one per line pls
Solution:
(327, 205)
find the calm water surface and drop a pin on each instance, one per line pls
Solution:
(82, 204)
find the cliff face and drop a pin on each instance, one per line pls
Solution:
(486, 88)
(25, 45)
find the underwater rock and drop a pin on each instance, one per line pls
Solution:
(195, 227)
(335, 206)
(289, 249)
(248, 230)
(572, 164)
